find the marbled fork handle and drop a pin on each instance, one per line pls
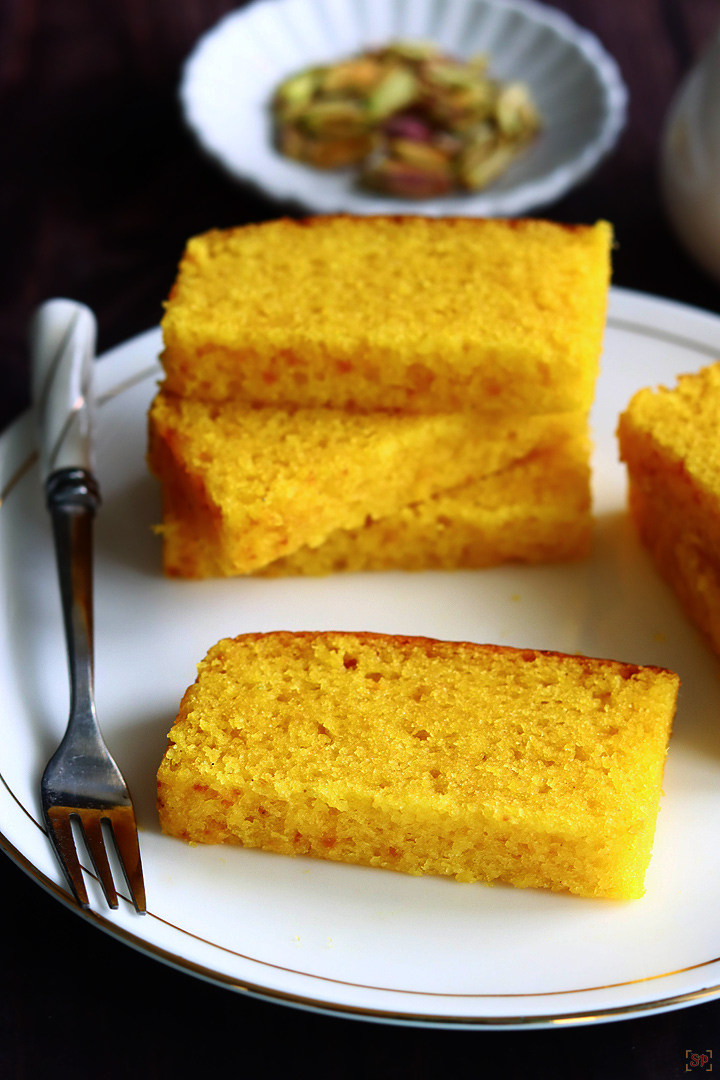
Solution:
(82, 783)
(63, 348)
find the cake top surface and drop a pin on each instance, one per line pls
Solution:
(441, 721)
(525, 284)
(685, 422)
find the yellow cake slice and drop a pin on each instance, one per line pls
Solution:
(256, 485)
(411, 313)
(534, 511)
(669, 441)
(482, 762)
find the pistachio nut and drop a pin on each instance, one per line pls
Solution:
(393, 177)
(479, 165)
(334, 119)
(516, 115)
(420, 154)
(395, 91)
(354, 77)
(417, 122)
(296, 92)
(324, 153)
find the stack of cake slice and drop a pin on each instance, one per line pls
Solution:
(378, 393)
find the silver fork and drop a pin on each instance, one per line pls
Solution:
(83, 792)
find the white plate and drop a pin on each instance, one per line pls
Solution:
(344, 939)
(229, 78)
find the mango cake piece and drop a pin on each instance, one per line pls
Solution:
(669, 441)
(536, 510)
(412, 313)
(477, 761)
(260, 483)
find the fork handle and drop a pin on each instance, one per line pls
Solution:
(62, 339)
(62, 335)
(73, 497)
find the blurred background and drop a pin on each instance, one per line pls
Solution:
(100, 186)
(101, 183)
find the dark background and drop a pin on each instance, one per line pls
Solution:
(100, 186)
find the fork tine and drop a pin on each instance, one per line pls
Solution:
(61, 835)
(124, 833)
(91, 824)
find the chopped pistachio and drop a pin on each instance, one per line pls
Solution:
(405, 125)
(396, 90)
(297, 91)
(479, 63)
(447, 74)
(324, 153)
(417, 122)
(478, 165)
(484, 134)
(516, 114)
(393, 177)
(335, 119)
(421, 154)
(464, 108)
(354, 76)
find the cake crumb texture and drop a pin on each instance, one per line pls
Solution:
(477, 761)
(536, 510)
(245, 487)
(411, 313)
(669, 441)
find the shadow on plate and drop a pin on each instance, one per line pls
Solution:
(138, 749)
(636, 617)
(124, 528)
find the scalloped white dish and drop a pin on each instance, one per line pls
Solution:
(229, 78)
(348, 940)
